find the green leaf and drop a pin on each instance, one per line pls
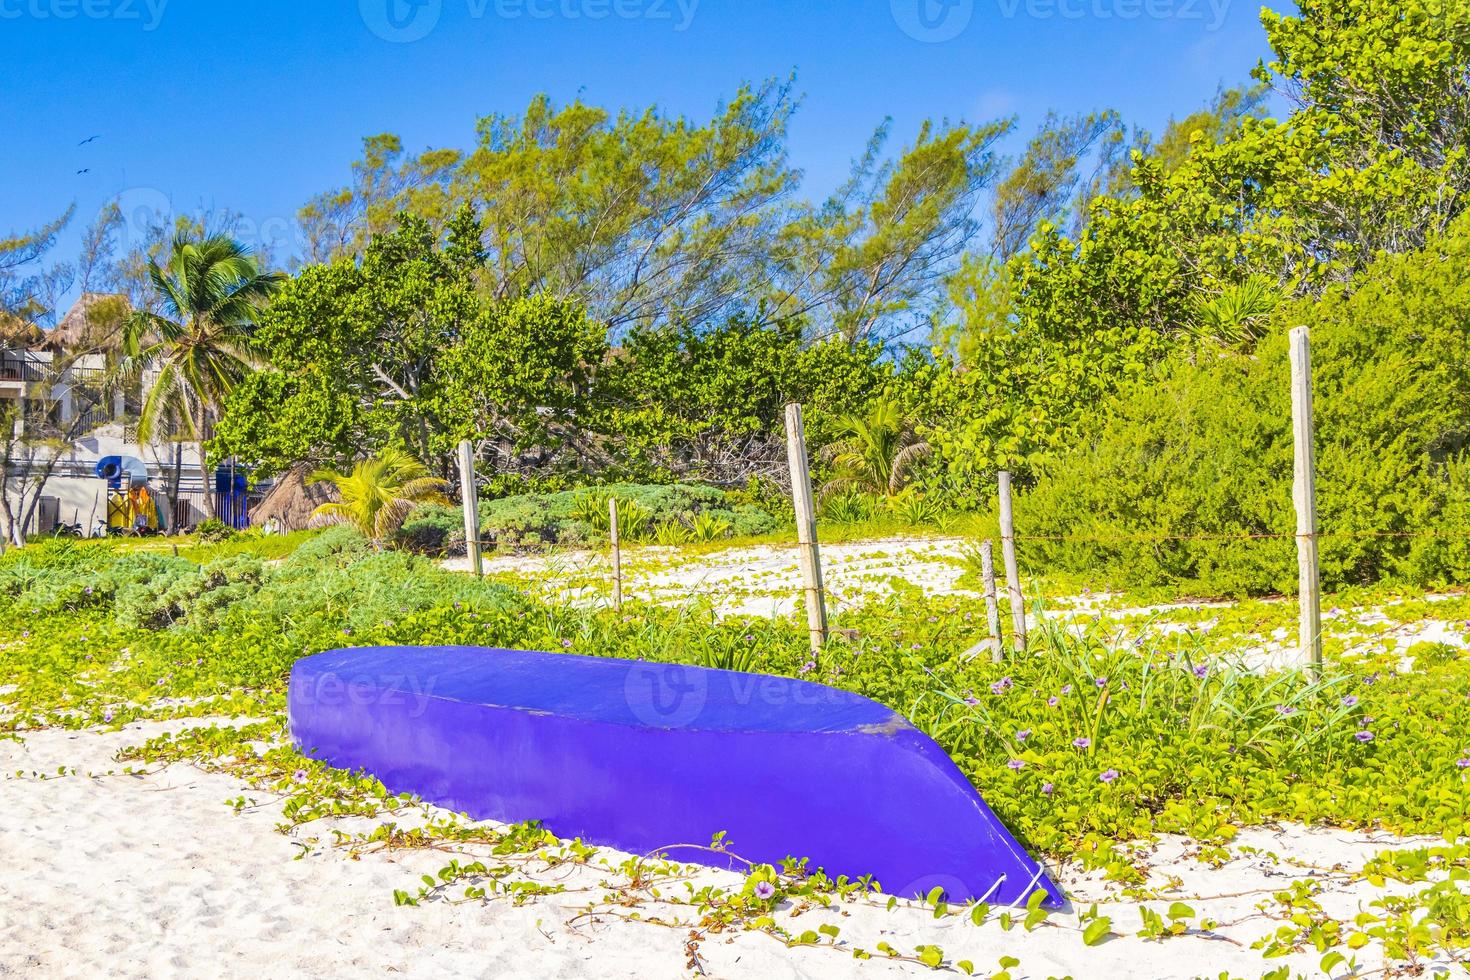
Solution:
(1097, 930)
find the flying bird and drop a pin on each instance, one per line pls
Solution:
(84, 171)
(89, 139)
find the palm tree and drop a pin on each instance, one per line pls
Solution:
(380, 493)
(200, 344)
(876, 453)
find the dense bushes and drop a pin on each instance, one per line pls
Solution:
(581, 516)
(1203, 450)
(1083, 745)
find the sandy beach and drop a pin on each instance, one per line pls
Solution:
(158, 875)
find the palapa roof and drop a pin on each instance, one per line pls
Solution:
(94, 321)
(292, 500)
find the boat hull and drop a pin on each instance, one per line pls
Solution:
(660, 758)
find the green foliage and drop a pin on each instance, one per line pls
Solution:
(1114, 741)
(213, 530)
(1203, 450)
(581, 516)
(517, 372)
(188, 592)
(876, 452)
(380, 493)
(355, 349)
(709, 402)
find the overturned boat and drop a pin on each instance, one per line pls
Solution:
(646, 757)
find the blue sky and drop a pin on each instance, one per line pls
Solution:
(254, 107)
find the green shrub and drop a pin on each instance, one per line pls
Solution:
(1196, 465)
(213, 530)
(429, 530)
(580, 516)
(195, 594)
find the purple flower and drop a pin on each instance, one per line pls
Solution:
(1462, 763)
(566, 644)
(88, 590)
(1053, 702)
(107, 717)
(1102, 682)
(808, 667)
(1285, 711)
(1364, 736)
(1001, 686)
(1109, 775)
(1350, 700)
(765, 891)
(1067, 690)
(1047, 789)
(1016, 765)
(917, 646)
(1201, 671)
(299, 776)
(972, 701)
(1023, 734)
(1082, 743)
(749, 638)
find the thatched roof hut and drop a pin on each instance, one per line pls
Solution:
(94, 323)
(292, 500)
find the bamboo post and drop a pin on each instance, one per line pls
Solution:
(992, 600)
(1008, 554)
(806, 528)
(471, 500)
(1304, 494)
(617, 553)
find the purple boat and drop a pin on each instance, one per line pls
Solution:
(646, 757)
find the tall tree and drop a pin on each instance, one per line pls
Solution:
(200, 344)
(640, 217)
(870, 263)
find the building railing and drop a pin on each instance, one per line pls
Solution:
(18, 369)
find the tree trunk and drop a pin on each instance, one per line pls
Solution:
(209, 502)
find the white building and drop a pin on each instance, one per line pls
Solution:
(66, 412)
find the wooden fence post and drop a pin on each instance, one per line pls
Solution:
(470, 497)
(1304, 494)
(992, 600)
(806, 528)
(1008, 554)
(617, 552)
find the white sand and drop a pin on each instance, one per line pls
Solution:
(156, 876)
